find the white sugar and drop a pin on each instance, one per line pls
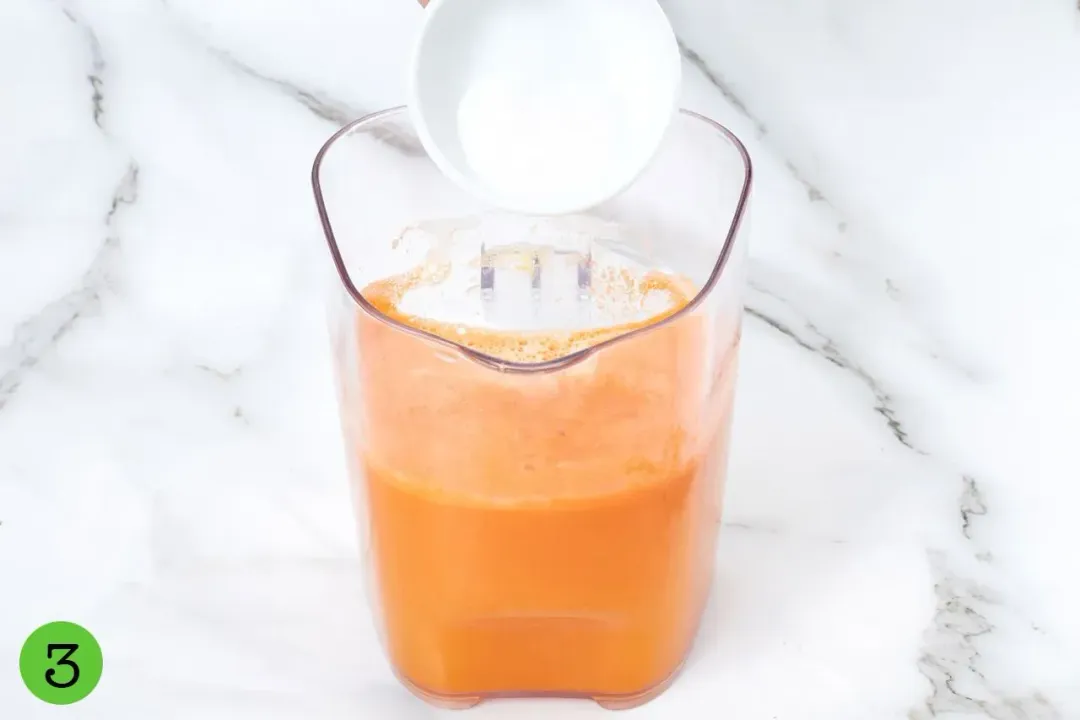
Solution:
(551, 149)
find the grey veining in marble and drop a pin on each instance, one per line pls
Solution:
(900, 535)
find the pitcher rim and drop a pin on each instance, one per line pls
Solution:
(501, 364)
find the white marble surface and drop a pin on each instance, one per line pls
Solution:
(901, 535)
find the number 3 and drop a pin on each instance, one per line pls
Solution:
(62, 661)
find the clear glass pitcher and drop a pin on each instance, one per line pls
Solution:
(536, 413)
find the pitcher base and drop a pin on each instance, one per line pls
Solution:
(464, 701)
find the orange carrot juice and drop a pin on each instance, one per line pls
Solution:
(541, 533)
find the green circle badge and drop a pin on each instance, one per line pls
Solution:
(60, 663)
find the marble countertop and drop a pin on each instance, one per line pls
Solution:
(901, 535)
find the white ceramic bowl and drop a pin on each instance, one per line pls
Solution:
(544, 106)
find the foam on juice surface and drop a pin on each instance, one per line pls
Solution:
(521, 318)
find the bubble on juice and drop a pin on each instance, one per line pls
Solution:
(529, 301)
